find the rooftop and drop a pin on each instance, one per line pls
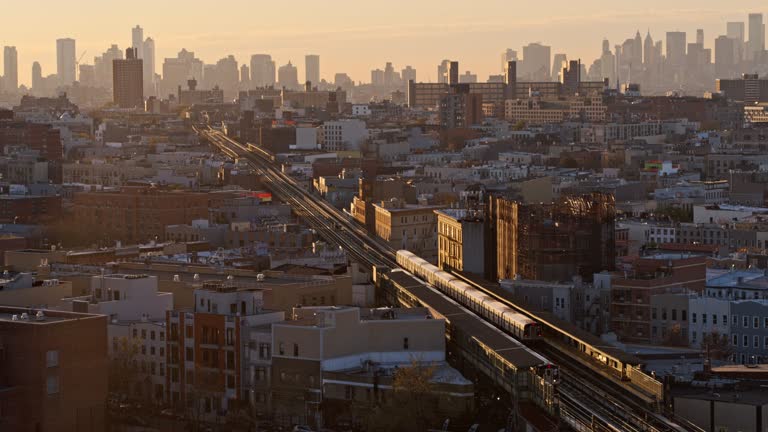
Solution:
(27, 316)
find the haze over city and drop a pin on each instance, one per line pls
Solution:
(352, 36)
(345, 216)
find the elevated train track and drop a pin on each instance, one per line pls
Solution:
(585, 403)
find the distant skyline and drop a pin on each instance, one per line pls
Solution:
(355, 38)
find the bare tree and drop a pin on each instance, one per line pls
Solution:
(716, 346)
(412, 406)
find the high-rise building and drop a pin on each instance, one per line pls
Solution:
(467, 78)
(288, 77)
(103, 66)
(507, 56)
(573, 236)
(442, 71)
(377, 77)
(65, 61)
(178, 71)
(389, 75)
(756, 42)
(648, 51)
(724, 56)
(453, 73)
(571, 76)
(148, 57)
(637, 51)
(312, 69)
(137, 41)
(559, 62)
(37, 77)
(735, 31)
(537, 61)
(10, 69)
(408, 74)
(245, 76)
(676, 48)
(460, 108)
(128, 80)
(262, 70)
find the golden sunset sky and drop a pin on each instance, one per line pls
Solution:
(355, 36)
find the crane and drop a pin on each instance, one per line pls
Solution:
(77, 65)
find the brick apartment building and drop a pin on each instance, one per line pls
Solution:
(631, 311)
(53, 371)
(135, 213)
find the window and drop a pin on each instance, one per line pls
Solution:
(230, 335)
(664, 314)
(714, 319)
(281, 348)
(765, 322)
(295, 350)
(405, 343)
(152, 350)
(52, 384)
(725, 320)
(735, 340)
(755, 341)
(230, 381)
(143, 334)
(135, 333)
(745, 321)
(693, 317)
(230, 360)
(745, 341)
(189, 354)
(188, 330)
(674, 314)
(264, 351)
(52, 358)
(765, 342)
(755, 322)
(703, 318)
(735, 320)
(684, 315)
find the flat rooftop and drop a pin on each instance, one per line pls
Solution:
(14, 315)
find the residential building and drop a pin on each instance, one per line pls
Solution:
(408, 226)
(47, 356)
(128, 81)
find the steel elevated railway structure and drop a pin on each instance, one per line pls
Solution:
(559, 377)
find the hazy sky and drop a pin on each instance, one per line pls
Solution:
(355, 36)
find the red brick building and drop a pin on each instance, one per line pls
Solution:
(631, 295)
(32, 210)
(135, 214)
(53, 371)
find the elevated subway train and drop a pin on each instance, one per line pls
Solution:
(506, 318)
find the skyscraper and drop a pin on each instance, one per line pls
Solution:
(507, 56)
(37, 77)
(103, 66)
(676, 45)
(312, 68)
(288, 76)
(262, 70)
(408, 74)
(756, 43)
(10, 69)
(245, 76)
(137, 40)
(735, 31)
(724, 56)
(559, 62)
(149, 66)
(537, 61)
(648, 57)
(700, 37)
(442, 71)
(65, 61)
(128, 80)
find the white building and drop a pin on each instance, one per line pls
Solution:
(340, 135)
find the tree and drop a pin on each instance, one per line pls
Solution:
(675, 336)
(413, 405)
(716, 346)
(123, 366)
